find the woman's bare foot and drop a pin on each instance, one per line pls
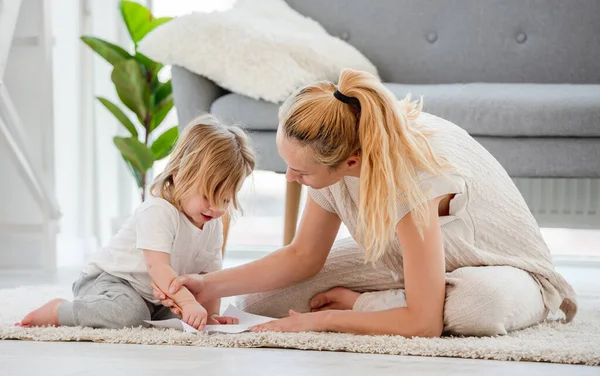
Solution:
(45, 315)
(336, 298)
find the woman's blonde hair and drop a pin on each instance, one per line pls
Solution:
(374, 125)
(209, 158)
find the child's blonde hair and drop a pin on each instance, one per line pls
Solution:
(383, 132)
(209, 158)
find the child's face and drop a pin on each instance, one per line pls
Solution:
(199, 211)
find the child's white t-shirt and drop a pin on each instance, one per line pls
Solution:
(157, 225)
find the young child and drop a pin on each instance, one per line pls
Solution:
(176, 231)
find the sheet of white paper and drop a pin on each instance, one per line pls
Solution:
(245, 317)
(246, 321)
(172, 324)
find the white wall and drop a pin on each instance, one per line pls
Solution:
(114, 187)
(80, 162)
(93, 184)
(26, 234)
(70, 129)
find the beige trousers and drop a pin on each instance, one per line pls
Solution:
(480, 301)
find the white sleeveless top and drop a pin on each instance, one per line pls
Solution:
(489, 222)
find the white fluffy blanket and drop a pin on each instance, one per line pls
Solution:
(260, 48)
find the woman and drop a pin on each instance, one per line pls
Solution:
(447, 243)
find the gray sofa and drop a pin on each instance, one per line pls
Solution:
(521, 76)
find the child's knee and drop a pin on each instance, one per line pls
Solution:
(488, 301)
(131, 318)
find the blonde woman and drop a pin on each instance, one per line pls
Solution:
(177, 230)
(447, 243)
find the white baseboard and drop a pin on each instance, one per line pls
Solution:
(582, 262)
(22, 250)
(562, 203)
(28, 246)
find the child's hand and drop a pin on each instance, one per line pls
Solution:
(222, 320)
(194, 315)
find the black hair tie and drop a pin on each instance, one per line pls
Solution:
(346, 99)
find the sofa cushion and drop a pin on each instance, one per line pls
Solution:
(546, 156)
(483, 109)
(521, 157)
(513, 110)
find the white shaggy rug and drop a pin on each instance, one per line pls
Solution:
(575, 343)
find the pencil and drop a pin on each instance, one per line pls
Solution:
(174, 304)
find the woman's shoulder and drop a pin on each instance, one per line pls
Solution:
(456, 146)
(324, 197)
(339, 197)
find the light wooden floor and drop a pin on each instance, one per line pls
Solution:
(43, 358)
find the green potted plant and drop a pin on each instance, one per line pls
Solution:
(136, 81)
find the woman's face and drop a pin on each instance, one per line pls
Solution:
(304, 170)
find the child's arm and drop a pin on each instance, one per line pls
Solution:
(161, 272)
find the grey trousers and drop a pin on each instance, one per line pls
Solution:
(480, 301)
(105, 301)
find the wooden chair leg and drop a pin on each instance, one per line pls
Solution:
(226, 221)
(292, 206)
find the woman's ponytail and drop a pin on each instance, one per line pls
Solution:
(393, 148)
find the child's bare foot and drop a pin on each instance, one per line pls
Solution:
(45, 315)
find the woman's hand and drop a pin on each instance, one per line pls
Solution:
(296, 322)
(193, 282)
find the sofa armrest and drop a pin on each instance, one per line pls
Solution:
(192, 93)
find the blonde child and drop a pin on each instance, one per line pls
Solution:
(176, 231)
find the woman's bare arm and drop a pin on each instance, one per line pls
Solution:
(300, 260)
(425, 284)
(424, 276)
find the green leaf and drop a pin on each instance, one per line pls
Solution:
(139, 20)
(160, 113)
(132, 87)
(115, 110)
(136, 174)
(110, 52)
(163, 145)
(138, 154)
(151, 66)
(164, 91)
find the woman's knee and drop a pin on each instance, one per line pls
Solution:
(248, 303)
(494, 300)
(276, 303)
